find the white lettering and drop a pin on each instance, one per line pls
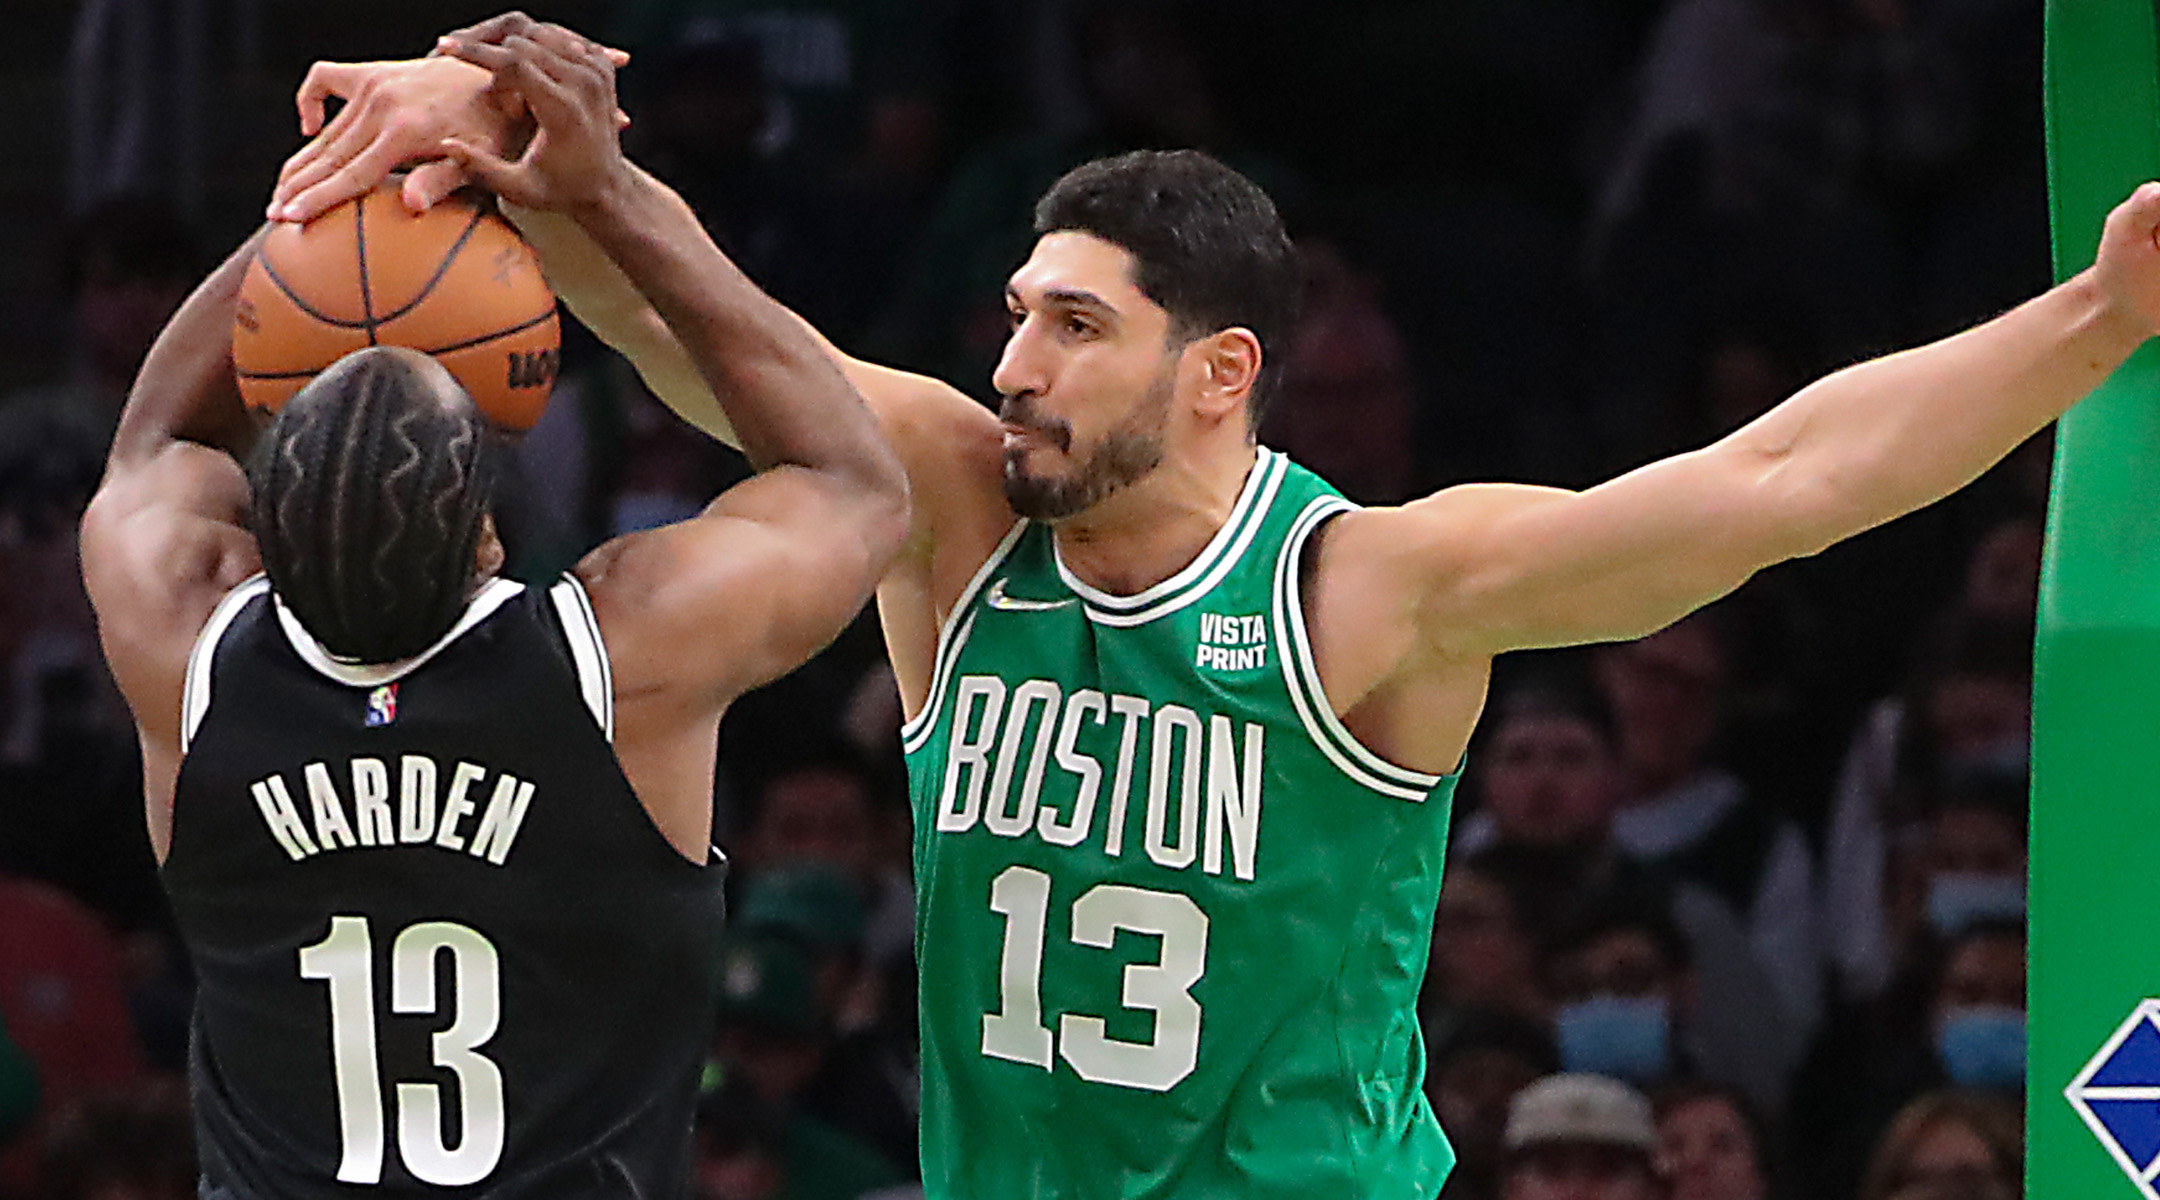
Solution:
(957, 810)
(416, 799)
(504, 816)
(1233, 799)
(1172, 720)
(284, 820)
(371, 802)
(331, 828)
(1075, 831)
(1134, 710)
(456, 806)
(1024, 699)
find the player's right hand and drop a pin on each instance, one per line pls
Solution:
(575, 156)
(400, 112)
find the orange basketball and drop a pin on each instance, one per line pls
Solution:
(455, 282)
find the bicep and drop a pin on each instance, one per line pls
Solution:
(162, 541)
(744, 593)
(1502, 567)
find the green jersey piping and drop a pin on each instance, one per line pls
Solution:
(1302, 675)
(1200, 575)
(952, 637)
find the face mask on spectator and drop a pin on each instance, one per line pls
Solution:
(1983, 1046)
(1624, 1037)
(1959, 899)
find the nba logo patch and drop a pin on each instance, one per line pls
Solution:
(382, 705)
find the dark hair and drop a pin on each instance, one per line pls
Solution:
(1207, 245)
(1627, 907)
(1560, 686)
(1673, 1097)
(369, 497)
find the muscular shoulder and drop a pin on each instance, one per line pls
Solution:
(162, 541)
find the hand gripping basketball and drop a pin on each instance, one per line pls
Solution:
(575, 155)
(455, 282)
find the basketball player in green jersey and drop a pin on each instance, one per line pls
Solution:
(1180, 720)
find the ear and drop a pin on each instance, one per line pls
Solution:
(488, 556)
(1228, 365)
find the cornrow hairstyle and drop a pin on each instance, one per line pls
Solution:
(1206, 242)
(370, 493)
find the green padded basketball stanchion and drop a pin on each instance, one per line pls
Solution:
(2093, 1072)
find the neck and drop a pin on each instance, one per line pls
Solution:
(1153, 529)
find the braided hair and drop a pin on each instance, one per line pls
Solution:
(370, 495)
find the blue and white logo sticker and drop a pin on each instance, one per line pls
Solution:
(2118, 1094)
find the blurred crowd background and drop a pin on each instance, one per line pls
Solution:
(1765, 869)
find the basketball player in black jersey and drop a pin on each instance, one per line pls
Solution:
(437, 841)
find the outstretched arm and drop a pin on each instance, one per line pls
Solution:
(777, 565)
(1480, 570)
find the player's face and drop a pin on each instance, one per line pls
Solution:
(1089, 377)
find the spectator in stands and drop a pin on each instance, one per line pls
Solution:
(825, 810)
(1473, 1075)
(1580, 1137)
(1964, 719)
(775, 1036)
(1625, 995)
(1711, 1144)
(1484, 955)
(862, 1079)
(1548, 772)
(1682, 811)
(1958, 1020)
(1348, 405)
(137, 1144)
(1950, 1146)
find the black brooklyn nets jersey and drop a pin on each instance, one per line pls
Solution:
(440, 946)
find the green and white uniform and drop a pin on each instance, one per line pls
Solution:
(1180, 916)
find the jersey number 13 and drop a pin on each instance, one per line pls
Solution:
(345, 960)
(1016, 1032)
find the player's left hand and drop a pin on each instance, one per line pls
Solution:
(400, 112)
(575, 156)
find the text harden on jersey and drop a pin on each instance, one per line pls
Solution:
(416, 819)
(986, 752)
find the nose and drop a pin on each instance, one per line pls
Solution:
(1020, 369)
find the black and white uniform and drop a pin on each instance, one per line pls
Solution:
(441, 947)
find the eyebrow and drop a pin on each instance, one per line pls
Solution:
(1075, 297)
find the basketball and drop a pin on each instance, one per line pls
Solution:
(456, 282)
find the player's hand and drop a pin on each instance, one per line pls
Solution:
(2128, 265)
(399, 112)
(395, 112)
(575, 156)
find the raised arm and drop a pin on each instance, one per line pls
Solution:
(776, 566)
(166, 535)
(1480, 570)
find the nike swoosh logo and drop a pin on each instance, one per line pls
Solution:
(997, 599)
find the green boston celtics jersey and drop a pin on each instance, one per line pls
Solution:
(1172, 917)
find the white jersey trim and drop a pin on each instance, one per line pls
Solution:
(952, 635)
(195, 691)
(588, 651)
(1207, 569)
(492, 595)
(1302, 676)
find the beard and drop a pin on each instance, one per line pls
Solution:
(1127, 454)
